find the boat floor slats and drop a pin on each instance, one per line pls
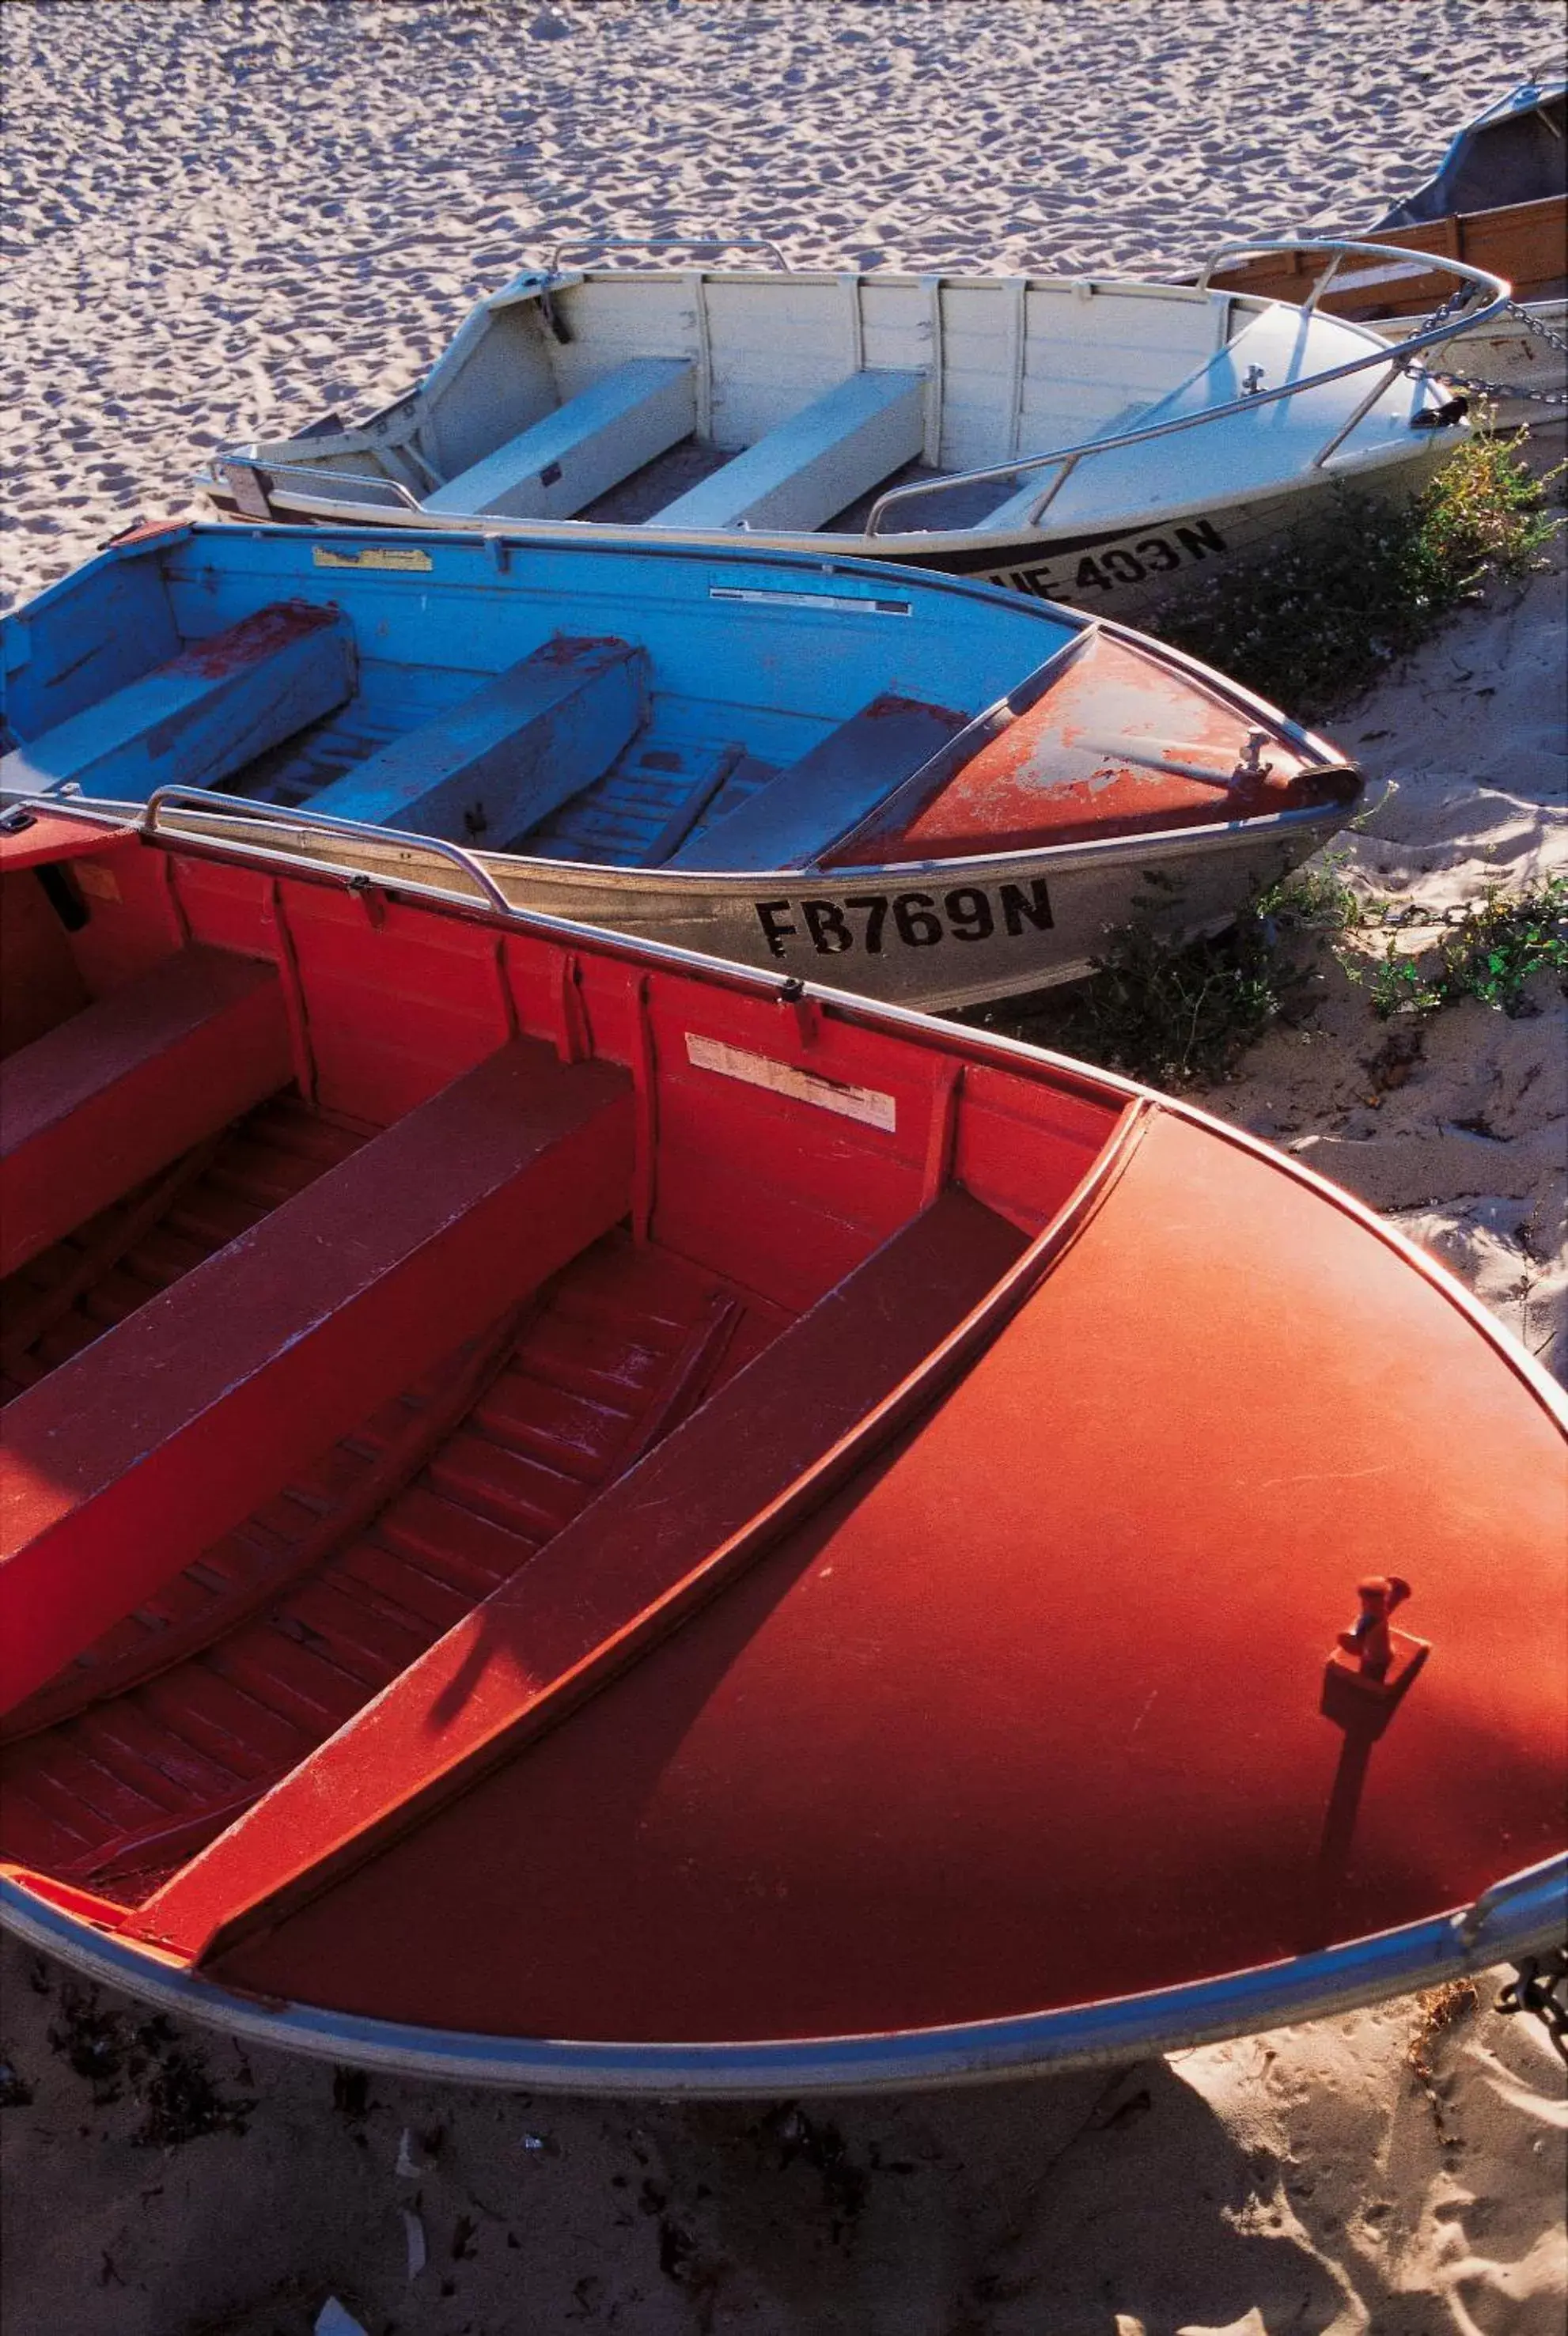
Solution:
(405, 1586)
(809, 803)
(583, 448)
(218, 1714)
(193, 721)
(637, 814)
(169, 1758)
(821, 458)
(573, 1432)
(506, 1486)
(435, 1529)
(508, 754)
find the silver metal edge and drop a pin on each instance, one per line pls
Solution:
(1518, 1916)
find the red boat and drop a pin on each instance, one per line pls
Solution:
(576, 1514)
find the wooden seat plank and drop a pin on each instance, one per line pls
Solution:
(193, 722)
(583, 448)
(797, 815)
(144, 1449)
(835, 449)
(511, 753)
(674, 1526)
(122, 1089)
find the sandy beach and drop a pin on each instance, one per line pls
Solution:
(233, 217)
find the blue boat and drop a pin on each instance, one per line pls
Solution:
(923, 788)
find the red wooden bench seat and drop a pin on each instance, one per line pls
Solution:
(617, 1576)
(105, 1100)
(138, 1452)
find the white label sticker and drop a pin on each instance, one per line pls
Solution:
(806, 1087)
(767, 596)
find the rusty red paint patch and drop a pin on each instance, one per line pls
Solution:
(566, 649)
(1122, 744)
(253, 639)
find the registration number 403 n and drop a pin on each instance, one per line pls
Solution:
(874, 923)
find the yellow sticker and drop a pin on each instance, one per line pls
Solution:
(99, 881)
(391, 555)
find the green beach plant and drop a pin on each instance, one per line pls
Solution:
(1315, 622)
(1182, 1014)
(1173, 1013)
(1491, 953)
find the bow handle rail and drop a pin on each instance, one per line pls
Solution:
(1391, 363)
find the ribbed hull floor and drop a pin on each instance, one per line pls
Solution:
(296, 1619)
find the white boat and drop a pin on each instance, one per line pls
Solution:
(1087, 440)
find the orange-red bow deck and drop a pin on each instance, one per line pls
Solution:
(574, 1517)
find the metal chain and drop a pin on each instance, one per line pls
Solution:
(1505, 388)
(1534, 1989)
(1536, 325)
(1460, 297)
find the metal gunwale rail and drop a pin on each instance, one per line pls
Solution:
(236, 459)
(1394, 361)
(1519, 1915)
(376, 845)
(198, 799)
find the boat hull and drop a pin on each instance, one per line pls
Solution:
(1127, 571)
(929, 395)
(934, 937)
(647, 1700)
(1016, 886)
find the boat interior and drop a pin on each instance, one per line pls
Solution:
(706, 400)
(358, 1253)
(626, 708)
(1514, 153)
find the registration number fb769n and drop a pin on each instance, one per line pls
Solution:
(873, 923)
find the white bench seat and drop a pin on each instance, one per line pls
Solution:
(583, 448)
(837, 448)
(509, 753)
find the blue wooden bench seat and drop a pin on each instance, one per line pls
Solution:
(793, 819)
(507, 756)
(583, 448)
(816, 462)
(192, 722)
